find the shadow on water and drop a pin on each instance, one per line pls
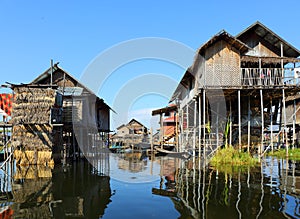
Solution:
(63, 192)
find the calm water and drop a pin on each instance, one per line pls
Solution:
(135, 186)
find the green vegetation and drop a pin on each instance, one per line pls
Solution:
(294, 154)
(231, 156)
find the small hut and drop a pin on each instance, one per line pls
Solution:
(57, 117)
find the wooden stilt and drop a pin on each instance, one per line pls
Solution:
(195, 127)
(187, 125)
(199, 127)
(271, 124)
(240, 122)
(249, 124)
(204, 118)
(262, 121)
(217, 124)
(284, 120)
(294, 124)
(230, 124)
(161, 131)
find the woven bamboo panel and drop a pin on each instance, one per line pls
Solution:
(222, 66)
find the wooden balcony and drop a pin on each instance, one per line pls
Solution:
(269, 77)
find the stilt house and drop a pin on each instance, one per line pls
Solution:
(235, 91)
(56, 113)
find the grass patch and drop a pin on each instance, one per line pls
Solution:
(293, 154)
(231, 156)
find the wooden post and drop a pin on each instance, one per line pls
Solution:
(181, 129)
(271, 124)
(294, 124)
(176, 130)
(151, 141)
(262, 120)
(161, 131)
(195, 127)
(239, 116)
(249, 124)
(230, 123)
(204, 125)
(217, 128)
(187, 123)
(284, 120)
(199, 128)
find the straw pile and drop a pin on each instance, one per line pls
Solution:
(27, 157)
(33, 137)
(32, 105)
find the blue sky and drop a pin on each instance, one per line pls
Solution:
(74, 33)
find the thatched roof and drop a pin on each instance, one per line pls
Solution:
(223, 35)
(45, 76)
(270, 37)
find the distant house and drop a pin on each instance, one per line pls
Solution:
(61, 114)
(131, 133)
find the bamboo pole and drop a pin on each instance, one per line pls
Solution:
(187, 123)
(294, 124)
(239, 117)
(262, 121)
(161, 131)
(217, 124)
(199, 128)
(284, 120)
(249, 124)
(204, 112)
(230, 123)
(271, 124)
(195, 126)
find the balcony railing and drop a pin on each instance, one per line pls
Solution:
(269, 76)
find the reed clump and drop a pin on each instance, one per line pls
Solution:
(293, 154)
(229, 155)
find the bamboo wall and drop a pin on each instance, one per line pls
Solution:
(222, 66)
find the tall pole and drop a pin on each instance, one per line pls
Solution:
(284, 120)
(230, 122)
(195, 127)
(161, 131)
(262, 121)
(294, 124)
(239, 115)
(249, 125)
(51, 77)
(200, 127)
(204, 125)
(271, 124)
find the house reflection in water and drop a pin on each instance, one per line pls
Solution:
(268, 191)
(68, 193)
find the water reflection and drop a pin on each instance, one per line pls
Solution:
(268, 191)
(132, 185)
(39, 192)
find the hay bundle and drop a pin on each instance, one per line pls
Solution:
(32, 105)
(31, 137)
(44, 157)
